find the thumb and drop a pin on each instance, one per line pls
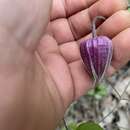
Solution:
(25, 20)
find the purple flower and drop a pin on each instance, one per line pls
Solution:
(96, 54)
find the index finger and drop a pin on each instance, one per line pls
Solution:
(81, 22)
(66, 8)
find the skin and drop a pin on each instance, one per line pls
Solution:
(41, 71)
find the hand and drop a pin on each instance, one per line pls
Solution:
(70, 24)
(38, 81)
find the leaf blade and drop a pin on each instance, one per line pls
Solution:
(89, 126)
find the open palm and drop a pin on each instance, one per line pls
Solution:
(70, 24)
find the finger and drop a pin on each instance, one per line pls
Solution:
(81, 79)
(74, 6)
(113, 25)
(107, 7)
(65, 8)
(47, 45)
(80, 23)
(61, 31)
(70, 51)
(121, 44)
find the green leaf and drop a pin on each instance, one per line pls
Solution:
(89, 126)
(72, 126)
(99, 92)
(103, 91)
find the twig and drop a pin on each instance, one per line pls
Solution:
(123, 128)
(65, 124)
(116, 105)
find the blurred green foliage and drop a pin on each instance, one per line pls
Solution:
(71, 126)
(129, 3)
(99, 92)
